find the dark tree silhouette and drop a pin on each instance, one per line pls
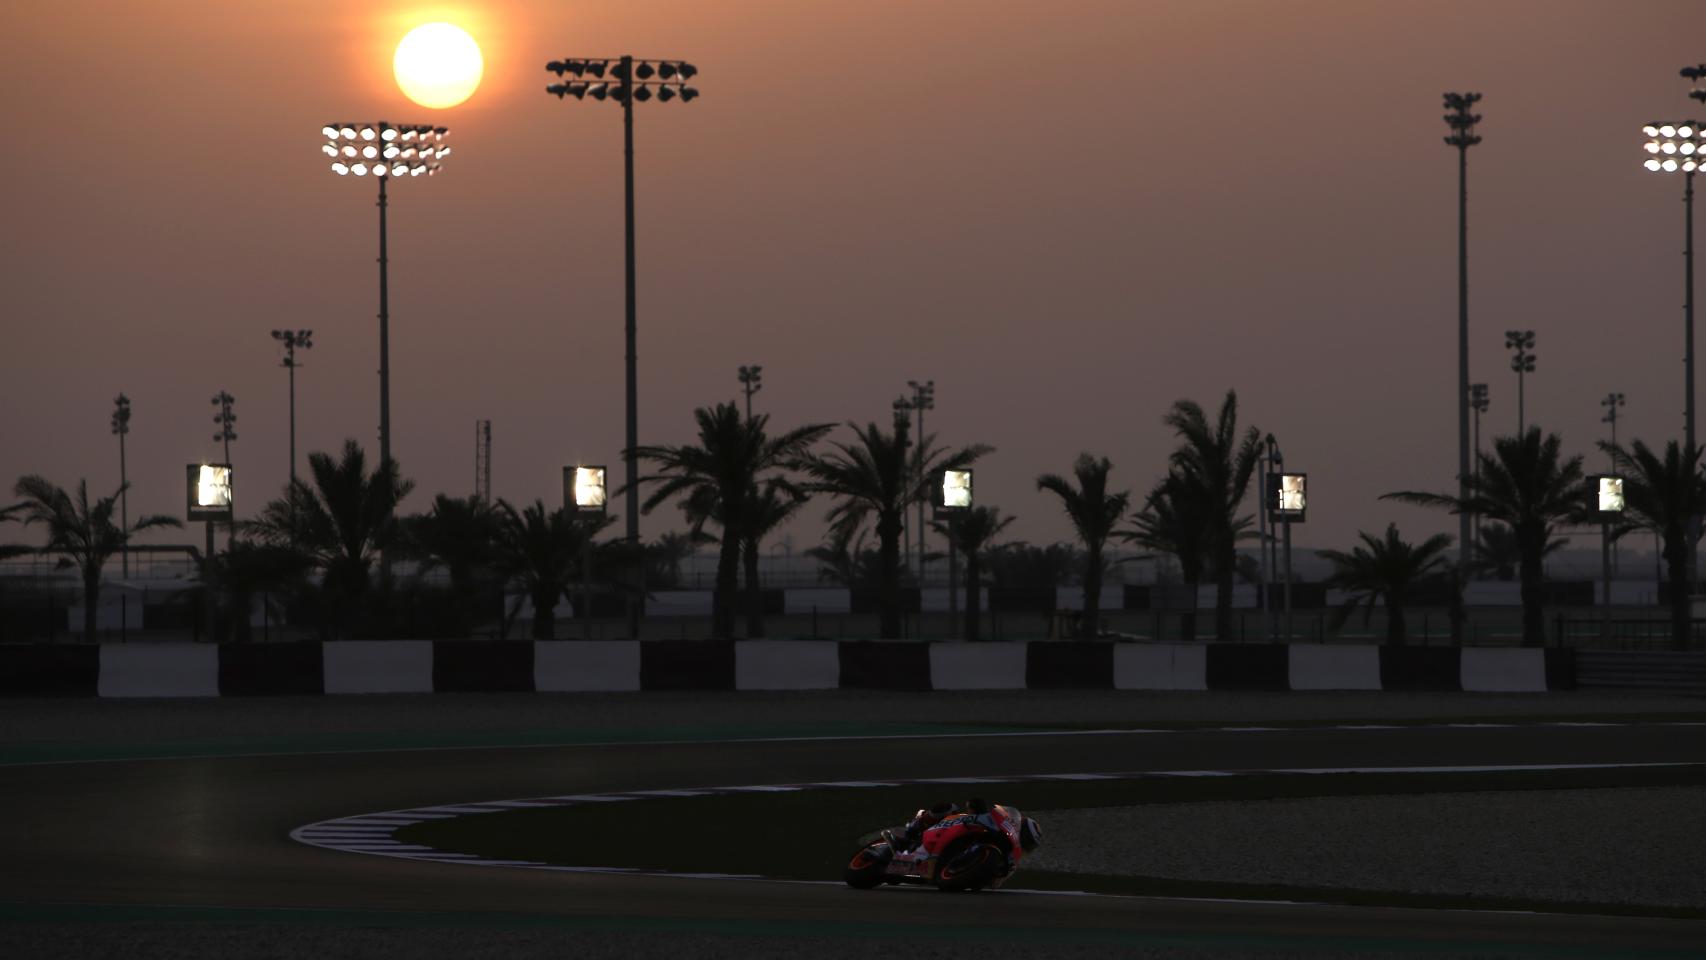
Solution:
(1665, 495)
(1094, 513)
(85, 535)
(341, 520)
(875, 478)
(459, 534)
(1526, 484)
(1383, 570)
(1215, 462)
(767, 510)
(719, 478)
(1496, 555)
(970, 533)
(1175, 521)
(245, 570)
(541, 550)
(848, 561)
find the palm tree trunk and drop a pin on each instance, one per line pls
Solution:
(1093, 591)
(544, 614)
(1223, 572)
(888, 575)
(1533, 572)
(1191, 574)
(91, 596)
(973, 573)
(754, 596)
(1395, 626)
(723, 596)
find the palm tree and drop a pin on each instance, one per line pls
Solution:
(875, 478)
(542, 550)
(341, 521)
(1382, 570)
(1664, 495)
(1496, 554)
(1094, 513)
(245, 569)
(460, 535)
(665, 556)
(1174, 521)
(766, 511)
(847, 561)
(970, 533)
(84, 535)
(1526, 484)
(717, 478)
(1215, 462)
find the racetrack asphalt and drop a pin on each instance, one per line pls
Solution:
(201, 842)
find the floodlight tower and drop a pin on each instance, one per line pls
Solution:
(749, 384)
(629, 80)
(226, 419)
(1522, 361)
(1462, 123)
(386, 151)
(121, 427)
(293, 340)
(923, 398)
(1479, 403)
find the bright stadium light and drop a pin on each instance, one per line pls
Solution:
(953, 491)
(1288, 499)
(584, 489)
(209, 491)
(1608, 497)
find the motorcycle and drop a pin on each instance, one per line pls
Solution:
(962, 851)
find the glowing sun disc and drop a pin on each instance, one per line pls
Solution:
(438, 65)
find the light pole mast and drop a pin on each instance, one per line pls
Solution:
(293, 340)
(226, 419)
(632, 80)
(923, 398)
(1522, 361)
(1479, 403)
(749, 384)
(121, 427)
(1462, 123)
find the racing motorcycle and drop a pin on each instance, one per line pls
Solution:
(961, 851)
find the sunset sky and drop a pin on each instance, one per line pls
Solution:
(1067, 214)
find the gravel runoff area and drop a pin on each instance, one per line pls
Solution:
(54, 721)
(1643, 846)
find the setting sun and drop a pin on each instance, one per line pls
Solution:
(438, 65)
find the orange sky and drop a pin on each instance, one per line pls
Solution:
(1067, 214)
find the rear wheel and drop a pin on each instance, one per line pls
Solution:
(866, 868)
(971, 868)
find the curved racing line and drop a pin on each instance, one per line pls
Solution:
(374, 833)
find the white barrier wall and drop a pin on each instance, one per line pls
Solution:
(1160, 666)
(1503, 670)
(1314, 667)
(977, 666)
(378, 666)
(159, 670)
(586, 665)
(787, 665)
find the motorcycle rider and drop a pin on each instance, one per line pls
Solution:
(990, 815)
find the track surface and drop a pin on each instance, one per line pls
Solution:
(213, 832)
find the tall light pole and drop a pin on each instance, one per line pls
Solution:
(293, 340)
(923, 398)
(226, 420)
(903, 421)
(1478, 402)
(749, 384)
(1462, 123)
(1612, 402)
(629, 80)
(385, 151)
(121, 427)
(1522, 361)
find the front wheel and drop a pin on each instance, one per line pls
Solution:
(867, 867)
(971, 869)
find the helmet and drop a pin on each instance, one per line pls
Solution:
(1030, 834)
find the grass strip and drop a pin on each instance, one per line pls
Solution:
(809, 834)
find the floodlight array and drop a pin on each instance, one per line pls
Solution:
(610, 79)
(1675, 146)
(384, 149)
(1461, 121)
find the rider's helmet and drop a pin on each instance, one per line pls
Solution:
(1030, 834)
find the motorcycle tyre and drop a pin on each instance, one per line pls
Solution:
(970, 868)
(866, 869)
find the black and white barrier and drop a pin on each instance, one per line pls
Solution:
(568, 666)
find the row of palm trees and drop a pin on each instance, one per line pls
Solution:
(737, 483)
